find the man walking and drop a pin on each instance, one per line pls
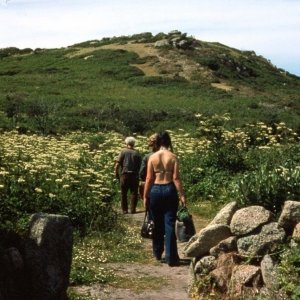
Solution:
(127, 171)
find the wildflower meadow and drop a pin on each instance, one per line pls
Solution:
(73, 174)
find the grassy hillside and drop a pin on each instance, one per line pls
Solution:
(141, 83)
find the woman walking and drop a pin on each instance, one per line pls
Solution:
(163, 184)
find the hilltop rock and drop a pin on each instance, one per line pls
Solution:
(162, 43)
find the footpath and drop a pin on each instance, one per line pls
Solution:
(172, 281)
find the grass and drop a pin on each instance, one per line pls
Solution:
(92, 253)
(97, 259)
(52, 91)
(109, 91)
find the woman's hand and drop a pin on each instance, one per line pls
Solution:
(146, 202)
(183, 200)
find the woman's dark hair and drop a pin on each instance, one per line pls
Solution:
(163, 139)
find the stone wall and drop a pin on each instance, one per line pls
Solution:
(38, 266)
(238, 250)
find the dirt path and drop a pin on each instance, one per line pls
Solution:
(172, 281)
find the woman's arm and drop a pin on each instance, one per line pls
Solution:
(178, 183)
(148, 183)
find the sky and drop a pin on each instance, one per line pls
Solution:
(271, 28)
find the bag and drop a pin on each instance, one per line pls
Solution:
(185, 230)
(183, 214)
(185, 227)
(147, 230)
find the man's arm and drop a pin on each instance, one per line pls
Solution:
(143, 168)
(116, 168)
(118, 165)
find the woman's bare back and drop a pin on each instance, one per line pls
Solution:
(163, 164)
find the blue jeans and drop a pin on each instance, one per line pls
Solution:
(163, 208)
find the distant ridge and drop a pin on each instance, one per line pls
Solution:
(108, 83)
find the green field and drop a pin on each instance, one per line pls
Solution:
(89, 87)
(233, 118)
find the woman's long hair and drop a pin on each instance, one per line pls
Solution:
(164, 139)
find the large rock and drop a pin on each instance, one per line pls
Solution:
(295, 236)
(244, 276)
(247, 219)
(207, 238)
(269, 273)
(13, 283)
(205, 264)
(267, 240)
(227, 245)
(267, 294)
(48, 256)
(296, 231)
(222, 273)
(162, 43)
(290, 215)
(225, 214)
(183, 44)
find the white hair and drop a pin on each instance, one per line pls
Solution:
(130, 140)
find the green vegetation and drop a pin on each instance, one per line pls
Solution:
(63, 117)
(86, 87)
(290, 271)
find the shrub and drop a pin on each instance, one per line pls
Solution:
(268, 187)
(289, 271)
(56, 176)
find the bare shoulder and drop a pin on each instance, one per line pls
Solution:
(174, 156)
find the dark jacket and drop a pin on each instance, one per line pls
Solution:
(143, 169)
(129, 161)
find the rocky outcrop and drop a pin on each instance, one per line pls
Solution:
(41, 268)
(175, 39)
(235, 250)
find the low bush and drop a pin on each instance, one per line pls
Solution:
(52, 175)
(268, 187)
(289, 271)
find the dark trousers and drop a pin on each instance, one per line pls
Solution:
(129, 182)
(163, 209)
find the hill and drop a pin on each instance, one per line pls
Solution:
(141, 83)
